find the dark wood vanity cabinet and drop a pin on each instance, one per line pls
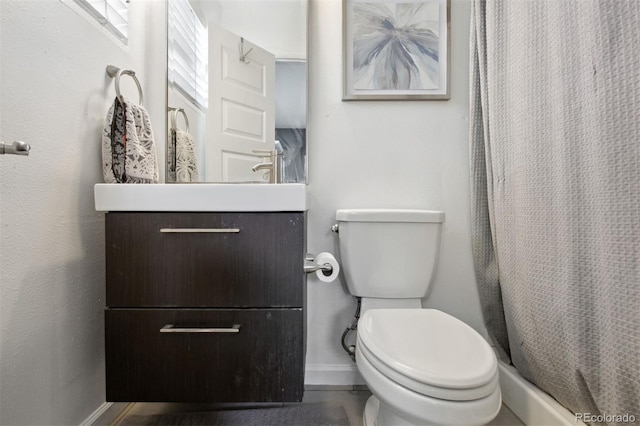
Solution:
(205, 307)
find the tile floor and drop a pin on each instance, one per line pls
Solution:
(352, 400)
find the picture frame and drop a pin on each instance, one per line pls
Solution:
(396, 49)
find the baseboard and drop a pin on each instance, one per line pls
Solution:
(104, 414)
(332, 375)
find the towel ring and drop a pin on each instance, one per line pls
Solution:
(115, 73)
(174, 118)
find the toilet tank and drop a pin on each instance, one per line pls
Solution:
(389, 253)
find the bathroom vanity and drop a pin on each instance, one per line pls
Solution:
(205, 305)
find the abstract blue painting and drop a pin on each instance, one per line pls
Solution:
(396, 48)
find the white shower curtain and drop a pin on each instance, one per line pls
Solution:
(555, 166)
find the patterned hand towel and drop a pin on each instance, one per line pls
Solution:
(186, 161)
(128, 149)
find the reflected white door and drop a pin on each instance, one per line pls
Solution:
(241, 107)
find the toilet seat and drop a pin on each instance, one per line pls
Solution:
(429, 352)
(418, 409)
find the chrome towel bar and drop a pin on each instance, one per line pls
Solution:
(115, 73)
(174, 118)
(16, 148)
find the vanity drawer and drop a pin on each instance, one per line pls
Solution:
(262, 362)
(205, 259)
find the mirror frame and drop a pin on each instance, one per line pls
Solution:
(166, 100)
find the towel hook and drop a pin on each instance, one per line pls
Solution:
(115, 73)
(174, 117)
(243, 55)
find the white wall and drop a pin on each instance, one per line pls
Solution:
(291, 95)
(54, 94)
(277, 26)
(389, 155)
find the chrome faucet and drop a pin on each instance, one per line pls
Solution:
(274, 166)
(265, 166)
(262, 166)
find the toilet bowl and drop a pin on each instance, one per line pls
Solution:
(425, 367)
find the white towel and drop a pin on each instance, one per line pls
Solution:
(128, 148)
(186, 161)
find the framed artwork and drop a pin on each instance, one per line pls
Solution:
(396, 49)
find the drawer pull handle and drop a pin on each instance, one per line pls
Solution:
(169, 328)
(199, 230)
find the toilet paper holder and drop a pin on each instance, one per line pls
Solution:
(310, 265)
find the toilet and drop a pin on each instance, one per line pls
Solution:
(423, 366)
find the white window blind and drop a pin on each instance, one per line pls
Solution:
(112, 14)
(188, 51)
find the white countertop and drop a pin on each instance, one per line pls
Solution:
(201, 197)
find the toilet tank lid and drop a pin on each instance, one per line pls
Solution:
(389, 215)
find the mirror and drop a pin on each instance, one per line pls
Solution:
(237, 91)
